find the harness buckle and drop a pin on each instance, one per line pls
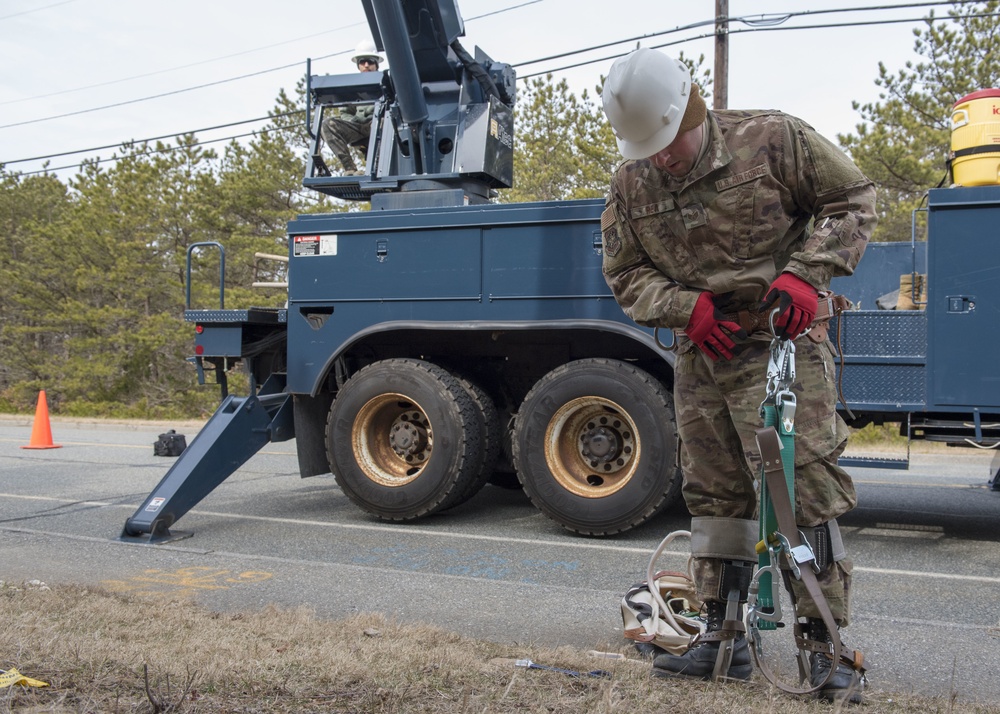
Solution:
(785, 401)
(798, 555)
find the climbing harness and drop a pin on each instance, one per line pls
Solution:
(781, 544)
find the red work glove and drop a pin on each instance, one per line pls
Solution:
(797, 303)
(709, 329)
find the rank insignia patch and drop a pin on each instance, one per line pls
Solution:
(612, 241)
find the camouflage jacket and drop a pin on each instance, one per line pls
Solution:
(768, 195)
(356, 113)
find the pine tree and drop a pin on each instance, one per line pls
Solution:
(904, 140)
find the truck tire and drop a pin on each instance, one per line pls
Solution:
(595, 446)
(403, 437)
(504, 475)
(488, 421)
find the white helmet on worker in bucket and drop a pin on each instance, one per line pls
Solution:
(366, 50)
(649, 100)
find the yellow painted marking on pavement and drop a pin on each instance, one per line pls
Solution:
(185, 582)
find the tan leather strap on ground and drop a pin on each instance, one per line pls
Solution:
(770, 452)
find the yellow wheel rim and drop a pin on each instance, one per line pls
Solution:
(392, 440)
(592, 447)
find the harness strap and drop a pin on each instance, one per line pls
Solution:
(774, 470)
(768, 521)
(726, 635)
(730, 629)
(828, 305)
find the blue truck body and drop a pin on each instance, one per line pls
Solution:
(442, 341)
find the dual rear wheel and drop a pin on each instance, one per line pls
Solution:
(593, 442)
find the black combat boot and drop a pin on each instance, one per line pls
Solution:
(347, 161)
(847, 683)
(699, 661)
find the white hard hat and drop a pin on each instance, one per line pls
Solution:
(645, 98)
(366, 50)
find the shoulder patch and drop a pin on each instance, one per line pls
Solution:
(609, 232)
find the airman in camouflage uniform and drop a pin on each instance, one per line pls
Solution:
(707, 215)
(351, 125)
(346, 127)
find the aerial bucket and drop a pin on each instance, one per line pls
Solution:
(975, 139)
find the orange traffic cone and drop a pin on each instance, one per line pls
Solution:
(41, 431)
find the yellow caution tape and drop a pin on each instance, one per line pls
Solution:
(12, 677)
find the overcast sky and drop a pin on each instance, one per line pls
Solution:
(82, 57)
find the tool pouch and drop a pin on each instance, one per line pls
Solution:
(169, 444)
(662, 612)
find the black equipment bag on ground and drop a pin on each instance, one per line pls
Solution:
(169, 444)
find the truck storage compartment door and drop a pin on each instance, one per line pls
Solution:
(964, 297)
(386, 265)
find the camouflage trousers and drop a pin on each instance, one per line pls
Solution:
(718, 411)
(341, 135)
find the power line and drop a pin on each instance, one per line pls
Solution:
(35, 9)
(505, 9)
(755, 27)
(155, 138)
(183, 66)
(212, 84)
(773, 17)
(737, 32)
(220, 58)
(782, 17)
(143, 99)
(165, 150)
(785, 16)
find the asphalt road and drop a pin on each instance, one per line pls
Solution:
(925, 543)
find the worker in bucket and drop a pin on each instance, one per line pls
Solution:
(714, 220)
(351, 125)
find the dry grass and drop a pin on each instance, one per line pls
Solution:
(106, 652)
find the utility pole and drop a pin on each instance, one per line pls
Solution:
(720, 90)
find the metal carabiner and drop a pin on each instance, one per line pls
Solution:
(788, 368)
(770, 321)
(753, 611)
(776, 367)
(781, 376)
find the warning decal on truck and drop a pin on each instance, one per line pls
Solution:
(314, 245)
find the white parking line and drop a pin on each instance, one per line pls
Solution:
(474, 537)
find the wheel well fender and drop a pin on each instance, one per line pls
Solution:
(459, 340)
